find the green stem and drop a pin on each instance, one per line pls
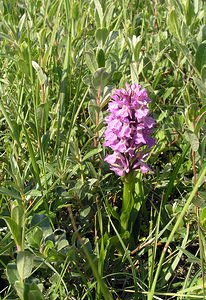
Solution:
(138, 199)
(127, 201)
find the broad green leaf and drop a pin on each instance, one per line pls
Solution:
(91, 61)
(197, 5)
(192, 139)
(24, 58)
(11, 193)
(85, 212)
(189, 12)
(16, 173)
(48, 245)
(87, 79)
(93, 109)
(75, 10)
(35, 166)
(137, 50)
(24, 263)
(45, 139)
(116, 76)
(19, 286)
(15, 230)
(53, 10)
(11, 123)
(101, 35)
(33, 293)
(100, 58)
(91, 153)
(34, 237)
(12, 273)
(41, 75)
(61, 244)
(91, 168)
(100, 78)
(34, 193)
(43, 222)
(21, 24)
(173, 23)
(16, 129)
(99, 10)
(168, 93)
(135, 70)
(203, 74)
(157, 78)
(17, 213)
(42, 113)
(202, 34)
(108, 15)
(200, 59)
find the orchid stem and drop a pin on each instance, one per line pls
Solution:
(128, 200)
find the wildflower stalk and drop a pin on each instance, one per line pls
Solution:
(133, 196)
(128, 200)
(128, 134)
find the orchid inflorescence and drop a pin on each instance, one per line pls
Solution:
(129, 129)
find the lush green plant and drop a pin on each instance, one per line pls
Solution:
(60, 204)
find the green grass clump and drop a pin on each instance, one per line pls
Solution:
(60, 203)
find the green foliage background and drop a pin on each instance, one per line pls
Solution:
(59, 202)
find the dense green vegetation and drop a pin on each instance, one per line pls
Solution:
(60, 204)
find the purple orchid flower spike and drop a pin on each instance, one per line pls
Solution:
(128, 131)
